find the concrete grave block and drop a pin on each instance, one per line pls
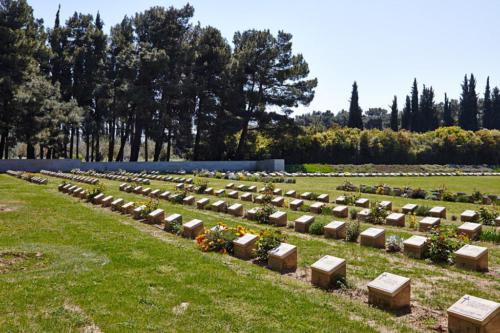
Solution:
(137, 212)
(116, 204)
(296, 204)
(246, 197)
(316, 207)
(156, 216)
(341, 211)
(438, 211)
(364, 214)
(474, 314)
(189, 200)
(252, 188)
(303, 223)
(472, 257)
(279, 219)
(291, 193)
(251, 214)
(220, 192)
(409, 208)
(335, 229)
(146, 191)
(233, 195)
(97, 200)
(122, 186)
(209, 191)
(236, 210)
(277, 191)
(327, 270)
(373, 237)
(230, 185)
(428, 222)
(390, 291)
(165, 195)
(306, 195)
(278, 201)
(192, 228)
(244, 246)
(127, 208)
(202, 203)
(283, 258)
(172, 219)
(387, 205)
(323, 198)
(470, 229)
(395, 219)
(106, 202)
(362, 202)
(341, 200)
(469, 216)
(219, 206)
(415, 246)
(155, 193)
(137, 189)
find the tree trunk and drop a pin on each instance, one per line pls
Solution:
(77, 148)
(197, 138)
(6, 145)
(146, 146)
(135, 145)
(92, 146)
(2, 144)
(65, 142)
(97, 147)
(123, 139)
(71, 140)
(41, 152)
(87, 148)
(30, 151)
(243, 137)
(169, 141)
(111, 148)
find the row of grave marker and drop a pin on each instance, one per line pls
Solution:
(28, 177)
(62, 175)
(124, 177)
(387, 291)
(469, 256)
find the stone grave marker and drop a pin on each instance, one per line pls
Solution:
(327, 270)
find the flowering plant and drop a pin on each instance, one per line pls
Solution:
(220, 238)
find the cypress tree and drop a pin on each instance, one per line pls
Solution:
(447, 116)
(406, 117)
(355, 112)
(496, 107)
(464, 104)
(394, 114)
(415, 116)
(473, 124)
(428, 115)
(488, 115)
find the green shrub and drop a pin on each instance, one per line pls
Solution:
(317, 227)
(327, 210)
(353, 213)
(268, 240)
(263, 213)
(443, 241)
(377, 214)
(487, 216)
(353, 231)
(422, 210)
(490, 236)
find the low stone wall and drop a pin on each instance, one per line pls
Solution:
(67, 164)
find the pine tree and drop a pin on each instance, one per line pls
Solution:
(488, 115)
(394, 114)
(355, 112)
(406, 116)
(415, 115)
(447, 115)
(468, 105)
(428, 114)
(495, 102)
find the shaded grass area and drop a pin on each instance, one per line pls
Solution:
(434, 287)
(103, 270)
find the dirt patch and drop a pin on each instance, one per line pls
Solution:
(89, 327)
(10, 261)
(7, 208)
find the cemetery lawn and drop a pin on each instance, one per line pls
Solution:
(85, 267)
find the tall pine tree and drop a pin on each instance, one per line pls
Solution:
(406, 116)
(394, 114)
(447, 114)
(495, 101)
(468, 105)
(415, 114)
(488, 115)
(355, 112)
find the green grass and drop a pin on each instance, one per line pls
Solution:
(101, 268)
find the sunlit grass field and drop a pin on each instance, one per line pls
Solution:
(71, 266)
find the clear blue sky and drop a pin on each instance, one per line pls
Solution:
(382, 44)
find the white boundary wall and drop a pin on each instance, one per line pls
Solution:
(67, 164)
